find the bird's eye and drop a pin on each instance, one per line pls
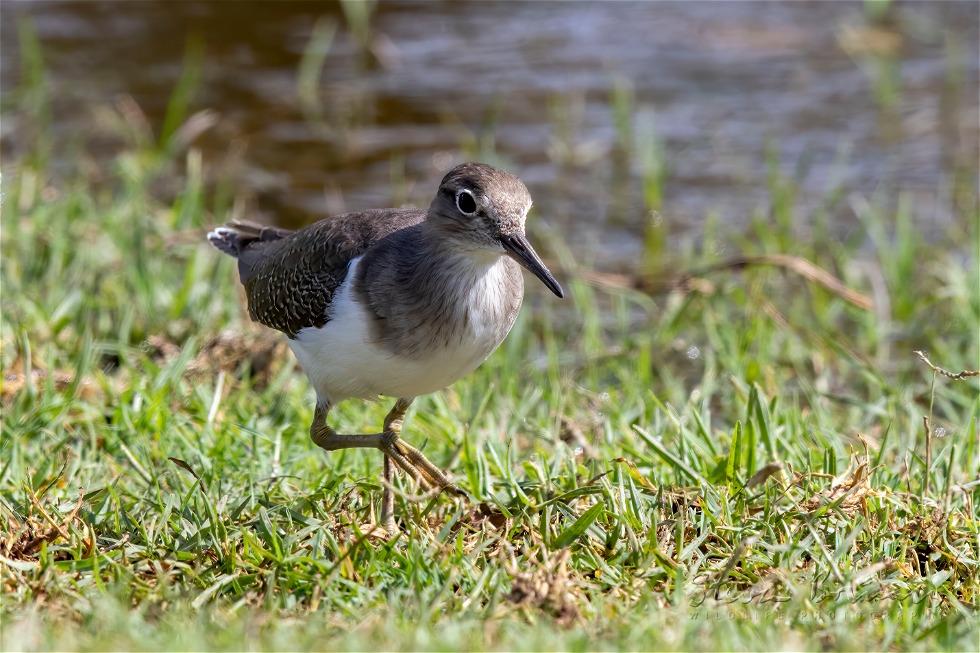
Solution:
(465, 202)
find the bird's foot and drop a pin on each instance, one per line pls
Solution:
(416, 465)
(377, 530)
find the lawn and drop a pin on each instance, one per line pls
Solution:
(698, 453)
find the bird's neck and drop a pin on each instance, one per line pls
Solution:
(441, 294)
(445, 238)
(460, 269)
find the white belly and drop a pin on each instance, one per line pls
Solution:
(342, 362)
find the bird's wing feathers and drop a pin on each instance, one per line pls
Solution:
(290, 277)
(234, 237)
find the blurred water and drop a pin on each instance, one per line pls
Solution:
(844, 101)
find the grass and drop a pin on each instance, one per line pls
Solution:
(736, 462)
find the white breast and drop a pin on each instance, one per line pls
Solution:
(342, 361)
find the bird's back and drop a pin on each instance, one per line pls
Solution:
(290, 277)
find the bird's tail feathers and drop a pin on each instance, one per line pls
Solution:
(235, 236)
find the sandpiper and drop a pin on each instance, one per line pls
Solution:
(394, 302)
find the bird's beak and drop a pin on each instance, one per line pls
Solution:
(522, 252)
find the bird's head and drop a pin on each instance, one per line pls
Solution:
(483, 208)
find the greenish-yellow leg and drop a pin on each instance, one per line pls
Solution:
(396, 451)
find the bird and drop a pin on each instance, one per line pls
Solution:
(393, 303)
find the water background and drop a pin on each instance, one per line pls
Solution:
(713, 100)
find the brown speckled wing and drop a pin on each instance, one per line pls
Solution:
(290, 282)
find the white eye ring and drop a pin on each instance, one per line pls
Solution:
(459, 194)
